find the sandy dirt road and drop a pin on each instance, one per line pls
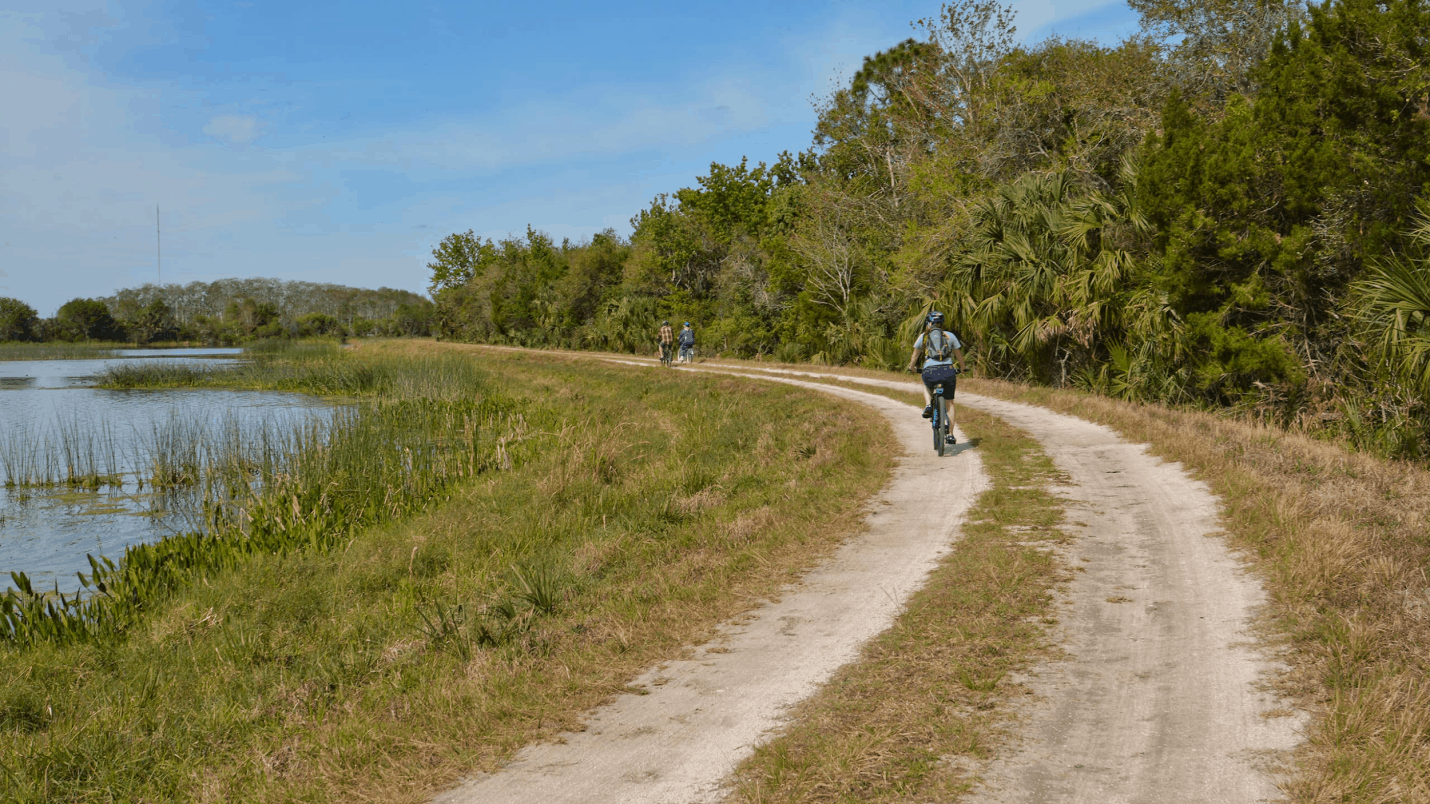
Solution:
(702, 715)
(1157, 699)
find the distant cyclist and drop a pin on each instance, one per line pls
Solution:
(939, 347)
(687, 343)
(666, 339)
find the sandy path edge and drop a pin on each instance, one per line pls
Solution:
(705, 714)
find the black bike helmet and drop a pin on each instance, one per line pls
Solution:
(665, 323)
(935, 319)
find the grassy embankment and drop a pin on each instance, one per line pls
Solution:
(1341, 542)
(412, 652)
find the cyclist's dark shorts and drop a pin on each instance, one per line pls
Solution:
(945, 375)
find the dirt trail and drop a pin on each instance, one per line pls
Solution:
(1158, 699)
(702, 715)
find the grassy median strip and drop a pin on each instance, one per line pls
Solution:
(650, 508)
(931, 696)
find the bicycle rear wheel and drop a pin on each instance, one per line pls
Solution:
(940, 430)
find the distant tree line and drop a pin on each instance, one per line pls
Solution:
(1229, 209)
(227, 311)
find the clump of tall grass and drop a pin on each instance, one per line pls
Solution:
(68, 454)
(274, 492)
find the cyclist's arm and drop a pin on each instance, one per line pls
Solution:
(914, 358)
(958, 355)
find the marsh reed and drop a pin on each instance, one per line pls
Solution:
(67, 454)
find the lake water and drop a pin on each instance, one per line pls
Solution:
(47, 531)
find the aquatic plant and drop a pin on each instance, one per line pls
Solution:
(70, 453)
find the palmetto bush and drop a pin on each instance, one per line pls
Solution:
(1053, 284)
(1392, 302)
(1390, 356)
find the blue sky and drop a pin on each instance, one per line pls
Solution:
(338, 142)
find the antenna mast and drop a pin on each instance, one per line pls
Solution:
(158, 245)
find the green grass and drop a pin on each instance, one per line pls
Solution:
(650, 509)
(931, 695)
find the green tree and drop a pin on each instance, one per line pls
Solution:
(85, 320)
(254, 318)
(17, 320)
(154, 321)
(318, 324)
(457, 259)
(1267, 212)
(1214, 46)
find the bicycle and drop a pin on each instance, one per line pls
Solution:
(665, 351)
(936, 376)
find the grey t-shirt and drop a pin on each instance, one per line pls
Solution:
(953, 343)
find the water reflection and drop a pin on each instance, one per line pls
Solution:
(46, 531)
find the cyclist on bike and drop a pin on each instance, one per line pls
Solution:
(687, 343)
(665, 339)
(939, 348)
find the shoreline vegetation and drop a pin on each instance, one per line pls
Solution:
(397, 449)
(61, 350)
(635, 513)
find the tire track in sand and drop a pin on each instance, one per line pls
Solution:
(704, 714)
